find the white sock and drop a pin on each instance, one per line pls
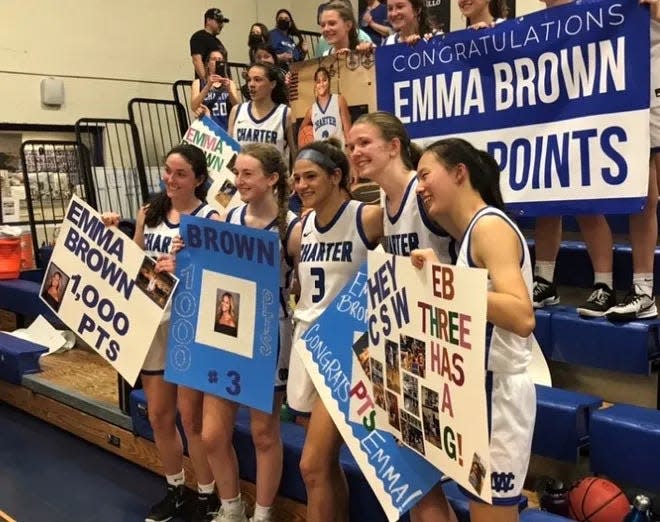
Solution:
(232, 506)
(545, 269)
(261, 512)
(206, 489)
(643, 283)
(604, 278)
(176, 480)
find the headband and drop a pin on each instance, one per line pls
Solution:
(317, 157)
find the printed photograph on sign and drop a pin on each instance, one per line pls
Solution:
(231, 300)
(431, 416)
(477, 473)
(56, 283)
(361, 349)
(392, 366)
(226, 192)
(413, 355)
(226, 312)
(411, 432)
(410, 394)
(156, 285)
(392, 405)
(377, 379)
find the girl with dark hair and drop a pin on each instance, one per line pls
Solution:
(408, 19)
(52, 293)
(257, 37)
(262, 181)
(481, 14)
(321, 178)
(381, 151)
(266, 118)
(329, 115)
(281, 39)
(217, 94)
(460, 187)
(184, 177)
(339, 28)
(266, 54)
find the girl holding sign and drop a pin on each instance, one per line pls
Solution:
(339, 28)
(184, 177)
(460, 188)
(261, 179)
(382, 152)
(348, 228)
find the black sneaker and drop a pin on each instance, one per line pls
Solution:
(545, 293)
(206, 507)
(602, 298)
(170, 507)
(635, 305)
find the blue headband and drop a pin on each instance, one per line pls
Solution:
(317, 157)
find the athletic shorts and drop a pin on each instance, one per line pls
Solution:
(300, 391)
(511, 400)
(154, 364)
(284, 355)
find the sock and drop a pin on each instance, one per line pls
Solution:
(545, 269)
(643, 283)
(206, 489)
(604, 278)
(232, 506)
(261, 512)
(176, 480)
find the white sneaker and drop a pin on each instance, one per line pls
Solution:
(634, 306)
(231, 517)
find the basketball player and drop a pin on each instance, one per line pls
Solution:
(216, 96)
(348, 229)
(262, 181)
(184, 177)
(382, 152)
(328, 115)
(460, 188)
(265, 118)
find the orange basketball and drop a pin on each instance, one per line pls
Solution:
(595, 499)
(305, 135)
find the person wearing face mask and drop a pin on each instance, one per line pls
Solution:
(281, 39)
(259, 36)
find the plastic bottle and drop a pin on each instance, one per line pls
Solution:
(555, 498)
(640, 510)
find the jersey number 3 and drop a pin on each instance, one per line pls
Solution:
(319, 284)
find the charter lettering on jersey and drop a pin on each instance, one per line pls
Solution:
(402, 244)
(258, 135)
(157, 243)
(337, 252)
(325, 120)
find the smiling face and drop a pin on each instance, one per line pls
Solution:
(322, 83)
(402, 15)
(251, 180)
(179, 178)
(473, 9)
(334, 28)
(225, 304)
(259, 85)
(437, 186)
(369, 151)
(312, 183)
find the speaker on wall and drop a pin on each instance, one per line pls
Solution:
(52, 92)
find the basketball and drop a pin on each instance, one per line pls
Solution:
(595, 499)
(305, 135)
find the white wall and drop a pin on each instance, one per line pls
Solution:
(523, 7)
(143, 43)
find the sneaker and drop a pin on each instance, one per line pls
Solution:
(545, 293)
(168, 508)
(634, 306)
(602, 298)
(231, 517)
(206, 507)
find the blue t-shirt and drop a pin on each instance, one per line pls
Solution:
(283, 43)
(379, 15)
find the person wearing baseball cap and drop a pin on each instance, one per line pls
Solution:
(205, 40)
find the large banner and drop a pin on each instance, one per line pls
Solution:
(398, 476)
(560, 98)
(224, 330)
(220, 150)
(103, 287)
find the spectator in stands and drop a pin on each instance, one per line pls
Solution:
(339, 28)
(408, 20)
(218, 95)
(281, 39)
(373, 19)
(259, 36)
(205, 40)
(157, 230)
(597, 236)
(480, 14)
(262, 53)
(460, 187)
(323, 46)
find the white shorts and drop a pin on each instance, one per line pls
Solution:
(284, 355)
(654, 129)
(512, 412)
(154, 364)
(300, 391)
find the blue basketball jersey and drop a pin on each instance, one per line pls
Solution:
(217, 101)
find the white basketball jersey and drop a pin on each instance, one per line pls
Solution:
(327, 121)
(237, 216)
(411, 228)
(269, 129)
(391, 39)
(655, 63)
(329, 257)
(506, 352)
(158, 239)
